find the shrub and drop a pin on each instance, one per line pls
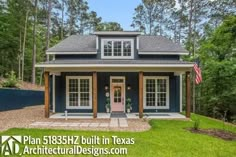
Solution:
(108, 103)
(196, 124)
(128, 103)
(11, 80)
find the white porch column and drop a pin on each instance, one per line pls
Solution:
(53, 94)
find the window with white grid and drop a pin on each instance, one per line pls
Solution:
(117, 48)
(156, 92)
(79, 92)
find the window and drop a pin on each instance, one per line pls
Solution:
(79, 92)
(117, 94)
(117, 48)
(127, 48)
(117, 80)
(107, 48)
(156, 92)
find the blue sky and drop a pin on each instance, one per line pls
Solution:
(120, 11)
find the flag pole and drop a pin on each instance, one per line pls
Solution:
(194, 51)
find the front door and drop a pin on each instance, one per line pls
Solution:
(117, 97)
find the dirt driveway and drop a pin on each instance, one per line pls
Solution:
(23, 118)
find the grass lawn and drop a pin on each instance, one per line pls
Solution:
(167, 138)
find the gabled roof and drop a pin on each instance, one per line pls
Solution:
(159, 44)
(75, 43)
(86, 44)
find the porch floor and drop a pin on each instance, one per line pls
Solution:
(153, 115)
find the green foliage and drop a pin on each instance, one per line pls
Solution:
(77, 19)
(108, 103)
(128, 103)
(109, 26)
(196, 124)
(11, 80)
(218, 60)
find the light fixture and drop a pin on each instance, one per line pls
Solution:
(106, 87)
(128, 87)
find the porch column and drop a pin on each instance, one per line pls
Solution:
(140, 94)
(188, 94)
(95, 95)
(46, 93)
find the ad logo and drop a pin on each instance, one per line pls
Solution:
(10, 145)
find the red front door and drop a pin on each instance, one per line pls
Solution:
(117, 98)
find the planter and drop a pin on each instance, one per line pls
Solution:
(128, 110)
(108, 110)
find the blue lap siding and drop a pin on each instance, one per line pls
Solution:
(103, 79)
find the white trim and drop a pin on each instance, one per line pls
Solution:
(117, 39)
(117, 33)
(97, 43)
(118, 77)
(53, 93)
(163, 53)
(137, 42)
(90, 92)
(55, 73)
(70, 53)
(181, 93)
(113, 65)
(167, 92)
(177, 73)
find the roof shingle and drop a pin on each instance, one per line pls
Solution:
(87, 43)
(158, 44)
(76, 43)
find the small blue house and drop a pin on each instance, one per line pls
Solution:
(87, 72)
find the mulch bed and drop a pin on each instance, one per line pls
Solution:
(222, 134)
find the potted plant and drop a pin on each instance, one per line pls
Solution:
(128, 105)
(108, 106)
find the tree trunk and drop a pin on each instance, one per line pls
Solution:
(19, 58)
(34, 42)
(194, 27)
(48, 27)
(23, 47)
(71, 24)
(190, 23)
(62, 19)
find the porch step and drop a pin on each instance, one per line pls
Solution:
(118, 115)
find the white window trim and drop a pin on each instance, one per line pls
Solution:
(167, 92)
(117, 57)
(90, 92)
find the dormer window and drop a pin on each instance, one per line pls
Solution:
(117, 48)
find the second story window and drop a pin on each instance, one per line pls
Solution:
(117, 48)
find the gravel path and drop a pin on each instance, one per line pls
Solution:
(23, 118)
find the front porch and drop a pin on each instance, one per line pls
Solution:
(134, 86)
(108, 115)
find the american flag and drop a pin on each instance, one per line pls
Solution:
(198, 76)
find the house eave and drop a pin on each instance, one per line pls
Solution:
(114, 65)
(162, 53)
(117, 33)
(69, 53)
